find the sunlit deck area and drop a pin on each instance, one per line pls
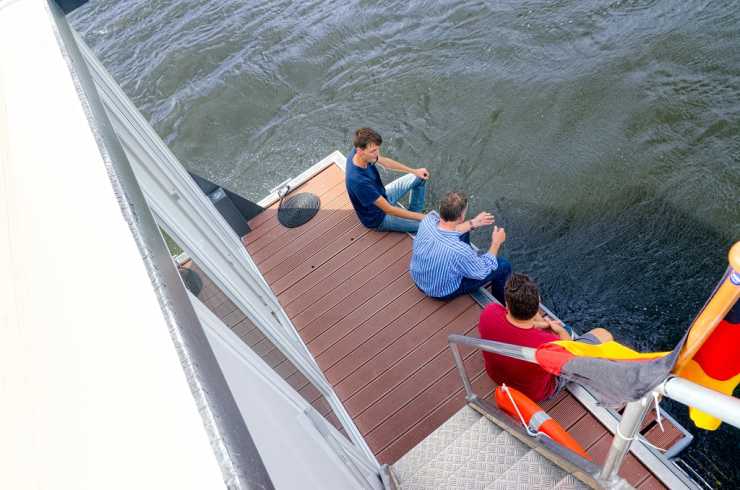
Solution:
(379, 341)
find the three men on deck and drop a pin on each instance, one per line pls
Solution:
(444, 265)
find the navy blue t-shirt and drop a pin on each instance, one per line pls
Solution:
(364, 187)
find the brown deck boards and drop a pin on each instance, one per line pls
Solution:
(330, 277)
(371, 276)
(379, 341)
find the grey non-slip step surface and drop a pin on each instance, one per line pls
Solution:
(435, 443)
(470, 452)
(570, 482)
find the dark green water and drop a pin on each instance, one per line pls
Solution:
(605, 135)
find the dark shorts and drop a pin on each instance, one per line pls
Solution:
(588, 338)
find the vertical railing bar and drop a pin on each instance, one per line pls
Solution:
(318, 423)
(626, 432)
(461, 370)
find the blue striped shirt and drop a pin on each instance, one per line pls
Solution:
(440, 260)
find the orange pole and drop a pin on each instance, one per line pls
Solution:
(714, 311)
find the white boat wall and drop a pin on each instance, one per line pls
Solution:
(107, 376)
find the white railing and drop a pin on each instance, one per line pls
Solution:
(187, 215)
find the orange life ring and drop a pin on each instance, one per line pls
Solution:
(536, 419)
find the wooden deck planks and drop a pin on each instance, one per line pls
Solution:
(663, 438)
(422, 365)
(355, 300)
(567, 412)
(324, 281)
(371, 276)
(632, 470)
(307, 257)
(365, 330)
(425, 402)
(356, 240)
(347, 290)
(364, 350)
(281, 280)
(401, 347)
(296, 246)
(436, 377)
(274, 251)
(357, 316)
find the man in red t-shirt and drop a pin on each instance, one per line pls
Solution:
(521, 323)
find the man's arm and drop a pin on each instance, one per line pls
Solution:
(555, 325)
(391, 164)
(388, 208)
(483, 219)
(559, 330)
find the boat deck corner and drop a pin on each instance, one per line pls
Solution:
(379, 341)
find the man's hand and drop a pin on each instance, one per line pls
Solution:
(555, 325)
(558, 327)
(422, 173)
(483, 219)
(498, 236)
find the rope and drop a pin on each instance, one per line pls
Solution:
(526, 427)
(282, 193)
(642, 439)
(657, 411)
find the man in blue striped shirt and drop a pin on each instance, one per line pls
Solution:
(443, 263)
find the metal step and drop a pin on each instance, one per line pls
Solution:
(470, 452)
(435, 443)
(570, 482)
(531, 471)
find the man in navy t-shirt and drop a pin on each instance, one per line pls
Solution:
(374, 203)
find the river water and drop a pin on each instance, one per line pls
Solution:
(604, 135)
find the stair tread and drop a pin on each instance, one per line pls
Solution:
(435, 443)
(470, 452)
(532, 472)
(446, 462)
(472, 461)
(570, 482)
(489, 464)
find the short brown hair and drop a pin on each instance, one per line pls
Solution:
(522, 297)
(365, 136)
(452, 205)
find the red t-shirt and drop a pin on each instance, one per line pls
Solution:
(526, 377)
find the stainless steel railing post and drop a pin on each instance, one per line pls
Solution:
(626, 432)
(469, 395)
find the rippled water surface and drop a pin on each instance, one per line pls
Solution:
(605, 135)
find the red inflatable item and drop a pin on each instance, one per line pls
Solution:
(536, 419)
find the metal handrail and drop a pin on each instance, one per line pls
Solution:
(725, 408)
(523, 354)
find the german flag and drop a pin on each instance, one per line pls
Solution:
(716, 365)
(709, 355)
(615, 372)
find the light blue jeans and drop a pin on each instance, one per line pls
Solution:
(395, 191)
